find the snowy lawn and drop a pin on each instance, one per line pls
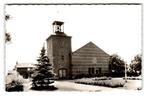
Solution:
(70, 85)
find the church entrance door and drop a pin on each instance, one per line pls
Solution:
(62, 73)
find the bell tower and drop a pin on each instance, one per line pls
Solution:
(58, 26)
(59, 51)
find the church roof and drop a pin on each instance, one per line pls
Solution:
(90, 47)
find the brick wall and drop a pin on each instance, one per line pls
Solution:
(59, 52)
(90, 57)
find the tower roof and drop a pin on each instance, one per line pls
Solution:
(58, 23)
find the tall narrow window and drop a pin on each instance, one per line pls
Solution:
(91, 71)
(100, 69)
(62, 57)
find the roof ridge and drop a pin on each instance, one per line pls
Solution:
(88, 44)
(82, 46)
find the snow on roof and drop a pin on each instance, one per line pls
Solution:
(24, 65)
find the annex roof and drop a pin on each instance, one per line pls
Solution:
(24, 65)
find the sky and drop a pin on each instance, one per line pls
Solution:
(114, 28)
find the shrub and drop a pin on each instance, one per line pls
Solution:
(133, 78)
(48, 88)
(14, 86)
(14, 82)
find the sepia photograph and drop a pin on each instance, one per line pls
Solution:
(79, 47)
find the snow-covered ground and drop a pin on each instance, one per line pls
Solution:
(69, 85)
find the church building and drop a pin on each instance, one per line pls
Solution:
(88, 60)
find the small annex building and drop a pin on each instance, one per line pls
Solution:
(24, 69)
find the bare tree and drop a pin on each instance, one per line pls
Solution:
(7, 35)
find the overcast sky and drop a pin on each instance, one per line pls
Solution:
(113, 28)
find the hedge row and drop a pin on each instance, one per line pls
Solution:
(106, 83)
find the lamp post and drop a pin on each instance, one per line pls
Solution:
(125, 72)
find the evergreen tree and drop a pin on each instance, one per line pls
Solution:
(43, 73)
